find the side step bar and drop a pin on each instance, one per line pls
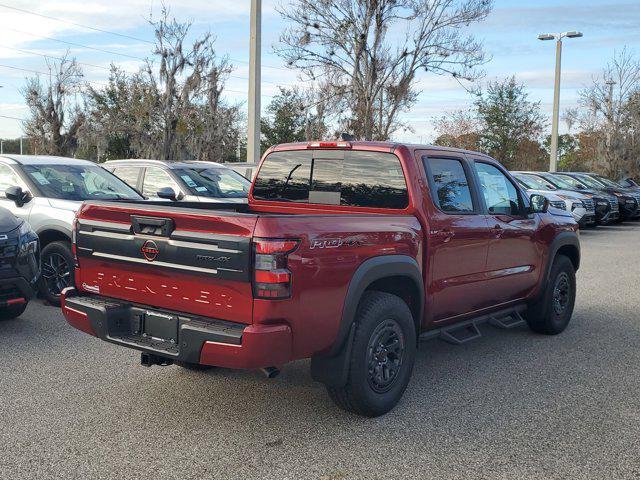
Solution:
(463, 332)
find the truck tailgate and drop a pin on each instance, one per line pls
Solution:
(182, 259)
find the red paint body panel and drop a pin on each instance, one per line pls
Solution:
(147, 284)
(468, 266)
(262, 346)
(196, 294)
(321, 276)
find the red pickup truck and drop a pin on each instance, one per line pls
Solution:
(347, 253)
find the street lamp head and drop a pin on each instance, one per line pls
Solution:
(573, 34)
(546, 36)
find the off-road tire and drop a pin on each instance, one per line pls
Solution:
(61, 250)
(366, 392)
(551, 313)
(12, 311)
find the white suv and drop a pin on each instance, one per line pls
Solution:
(47, 192)
(182, 181)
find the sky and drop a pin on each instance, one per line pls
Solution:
(120, 34)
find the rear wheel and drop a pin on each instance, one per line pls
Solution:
(12, 311)
(552, 312)
(382, 356)
(57, 271)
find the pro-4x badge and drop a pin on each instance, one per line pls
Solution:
(149, 250)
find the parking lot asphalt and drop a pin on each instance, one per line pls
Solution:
(509, 405)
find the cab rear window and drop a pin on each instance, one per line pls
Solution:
(328, 177)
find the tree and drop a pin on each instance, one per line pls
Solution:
(371, 73)
(460, 129)
(567, 146)
(173, 108)
(55, 117)
(285, 120)
(607, 111)
(508, 119)
(184, 75)
(122, 118)
(294, 115)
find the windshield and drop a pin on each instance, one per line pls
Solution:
(608, 183)
(590, 181)
(535, 183)
(214, 182)
(560, 182)
(574, 183)
(79, 182)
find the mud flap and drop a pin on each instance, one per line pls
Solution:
(334, 371)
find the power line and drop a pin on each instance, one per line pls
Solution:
(11, 118)
(30, 52)
(115, 33)
(23, 69)
(76, 44)
(95, 29)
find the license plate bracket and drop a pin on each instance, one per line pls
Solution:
(161, 326)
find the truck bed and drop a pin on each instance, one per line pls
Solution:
(198, 259)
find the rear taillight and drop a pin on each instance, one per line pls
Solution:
(272, 279)
(74, 248)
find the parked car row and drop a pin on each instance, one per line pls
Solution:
(47, 192)
(591, 198)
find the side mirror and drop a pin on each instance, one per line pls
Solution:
(16, 195)
(539, 203)
(167, 193)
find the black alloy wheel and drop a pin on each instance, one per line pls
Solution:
(385, 354)
(57, 266)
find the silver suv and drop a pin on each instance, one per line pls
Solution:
(186, 181)
(47, 192)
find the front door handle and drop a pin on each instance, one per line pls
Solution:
(445, 234)
(497, 230)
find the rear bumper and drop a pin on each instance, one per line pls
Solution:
(196, 339)
(15, 291)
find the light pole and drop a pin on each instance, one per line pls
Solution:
(553, 160)
(253, 120)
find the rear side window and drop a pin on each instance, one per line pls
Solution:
(347, 178)
(128, 175)
(449, 180)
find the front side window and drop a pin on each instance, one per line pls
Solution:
(500, 194)
(8, 178)
(347, 178)
(449, 180)
(156, 179)
(214, 182)
(79, 182)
